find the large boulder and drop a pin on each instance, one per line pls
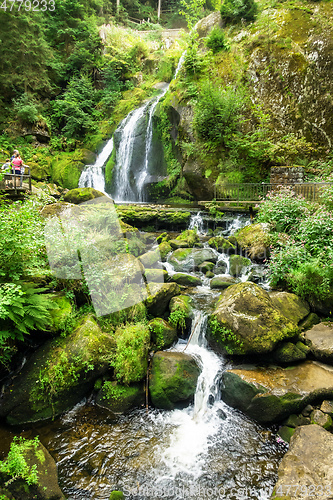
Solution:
(254, 240)
(320, 340)
(290, 305)
(246, 321)
(271, 394)
(186, 279)
(36, 456)
(188, 259)
(163, 335)
(120, 398)
(173, 379)
(160, 296)
(58, 375)
(80, 195)
(306, 469)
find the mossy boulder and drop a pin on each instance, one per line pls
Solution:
(289, 353)
(156, 275)
(320, 418)
(58, 375)
(246, 321)
(290, 305)
(160, 296)
(165, 249)
(272, 394)
(80, 195)
(157, 216)
(66, 169)
(189, 236)
(150, 259)
(116, 495)
(286, 432)
(120, 398)
(47, 487)
(175, 244)
(189, 259)
(254, 240)
(238, 265)
(55, 208)
(206, 266)
(163, 335)
(173, 379)
(181, 312)
(186, 279)
(221, 244)
(221, 282)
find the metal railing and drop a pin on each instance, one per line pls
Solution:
(14, 182)
(255, 192)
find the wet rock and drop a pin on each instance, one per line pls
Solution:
(58, 375)
(178, 244)
(221, 245)
(238, 265)
(154, 215)
(47, 487)
(271, 394)
(222, 282)
(245, 321)
(311, 320)
(220, 268)
(320, 339)
(297, 420)
(156, 275)
(209, 274)
(173, 379)
(322, 419)
(163, 335)
(189, 259)
(327, 407)
(307, 410)
(186, 279)
(182, 304)
(206, 266)
(307, 466)
(80, 195)
(290, 305)
(120, 398)
(160, 296)
(286, 432)
(189, 236)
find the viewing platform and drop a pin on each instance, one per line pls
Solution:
(16, 184)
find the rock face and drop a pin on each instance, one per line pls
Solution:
(321, 342)
(306, 469)
(246, 321)
(58, 375)
(271, 394)
(173, 379)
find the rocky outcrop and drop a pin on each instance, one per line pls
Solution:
(246, 321)
(320, 340)
(173, 379)
(306, 469)
(58, 375)
(271, 394)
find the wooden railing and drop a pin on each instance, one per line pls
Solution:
(255, 192)
(14, 181)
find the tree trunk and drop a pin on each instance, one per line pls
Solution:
(159, 9)
(118, 5)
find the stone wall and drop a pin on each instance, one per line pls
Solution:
(287, 175)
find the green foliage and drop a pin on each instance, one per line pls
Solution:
(326, 197)
(283, 209)
(130, 364)
(217, 112)
(225, 336)
(312, 280)
(15, 465)
(233, 11)
(216, 40)
(193, 11)
(26, 109)
(193, 61)
(177, 319)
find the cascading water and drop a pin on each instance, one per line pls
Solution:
(197, 222)
(93, 175)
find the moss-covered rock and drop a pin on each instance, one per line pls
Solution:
(254, 240)
(165, 249)
(189, 259)
(66, 169)
(221, 244)
(286, 432)
(58, 375)
(189, 236)
(156, 275)
(272, 394)
(163, 335)
(186, 279)
(157, 216)
(206, 267)
(181, 312)
(55, 208)
(160, 296)
(80, 195)
(322, 419)
(175, 244)
(47, 488)
(290, 305)
(289, 353)
(238, 265)
(222, 282)
(62, 311)
(116, 495)
(120, 398)
(173, 379)
(150, 259)
(246, 321)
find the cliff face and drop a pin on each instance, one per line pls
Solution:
(284, 60)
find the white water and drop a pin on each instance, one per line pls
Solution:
(196, 222)
(92, 175)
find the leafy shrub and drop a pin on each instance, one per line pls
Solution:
(26, 109)
(312, 280)
(177, 319)
(316, 231)
(283, 209)
(16, 466)
(193, 62)
(216, 40)
(233, 11)
(283, 260)
(217, 113)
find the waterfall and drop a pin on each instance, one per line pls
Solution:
(196, 222)
(93, 175)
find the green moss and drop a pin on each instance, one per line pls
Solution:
(225, 337)
(80, 195)
(109, 169)
(66, 169)
(163, 334)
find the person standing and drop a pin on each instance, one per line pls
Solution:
(17, 164)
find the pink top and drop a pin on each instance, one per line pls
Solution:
(17, 162)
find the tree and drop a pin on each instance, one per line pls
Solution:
(159, 9)
(233, 11)
(193, 11)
